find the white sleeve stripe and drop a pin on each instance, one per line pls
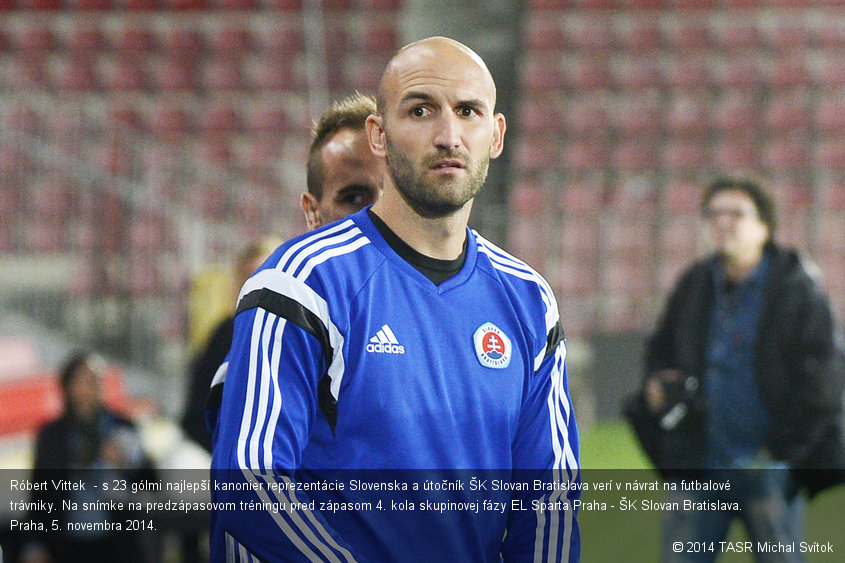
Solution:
(246, 416)
(263, 381)
(565, 464)
(311, 239)
(283, 283)
(283, 525)
(329, 541)
(552, 313)
(276, 394)
(331, 253)
(220, 374)
(318, 246)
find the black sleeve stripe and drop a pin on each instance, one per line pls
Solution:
(292, 311)
(215, 397)
(554, 338)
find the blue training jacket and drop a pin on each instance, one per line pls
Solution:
(371, 415)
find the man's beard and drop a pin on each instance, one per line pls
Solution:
(432, 200)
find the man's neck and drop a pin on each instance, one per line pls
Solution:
(441, 238)
(738, 268)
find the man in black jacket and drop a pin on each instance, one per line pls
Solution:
(744, 381)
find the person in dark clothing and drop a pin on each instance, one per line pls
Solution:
(91, 443)
(744, 381)
(206, 363)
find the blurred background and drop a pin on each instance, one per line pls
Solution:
(143, 143)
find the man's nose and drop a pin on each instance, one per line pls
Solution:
(448, 131)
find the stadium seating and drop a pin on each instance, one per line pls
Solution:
(156, 97)
(673, 94)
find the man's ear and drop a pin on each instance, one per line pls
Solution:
(311, 208)
(498, 144)
(375, 135)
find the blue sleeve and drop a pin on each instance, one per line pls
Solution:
(546, 450)
(269, 407)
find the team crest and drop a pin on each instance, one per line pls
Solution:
(492, 346)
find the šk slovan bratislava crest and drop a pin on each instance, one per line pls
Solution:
(492, 346)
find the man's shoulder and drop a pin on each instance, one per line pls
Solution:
(334, 252)
(527, 288)
(510, 268)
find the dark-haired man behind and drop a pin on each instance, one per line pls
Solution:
(744, 380)
(343, 174)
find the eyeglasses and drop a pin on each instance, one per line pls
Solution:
(735, 214)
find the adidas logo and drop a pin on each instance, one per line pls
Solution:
(384, 342)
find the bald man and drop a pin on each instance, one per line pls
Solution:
(343, 174)
(397, 385)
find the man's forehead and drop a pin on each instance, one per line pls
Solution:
(437, 63)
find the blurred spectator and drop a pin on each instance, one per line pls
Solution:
(205, 365)
(91, 443)
(744, 381)
(343, 175)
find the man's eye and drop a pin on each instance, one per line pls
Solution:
(353, 198)
(466, 112)
(419, 111)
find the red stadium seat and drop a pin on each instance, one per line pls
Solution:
(737, 32)
(682, 198)
(528, 198)
(739, 72)
(637, 72)
(231, 40)
(588, 73)
(545, 36)
(134, 39)
(688, 72)
(738, 151)
(265, 118)
(830, 114)
(183, 41)
(790, 72)
(829, 154)
(220, 118)
(586, 155)
(536, 153)
(380, 38)
(541, 74)
(539, 114)
(168, 120)
(126, 73)
(684, 155)
(591, 35)
(636, 34)
(737, 112)
(635, 155)
(77, 74)
(582, 197)
(221, 73)
(86, 38)
(786, 112)
(786, 153)
(30, 37)
(687, 115)
(175, 74)
(122, 116)
(788, 34)
(586, 115)
(284, 5)
(269, 72)
(686, 33)
(637, 115)
(280, 41)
